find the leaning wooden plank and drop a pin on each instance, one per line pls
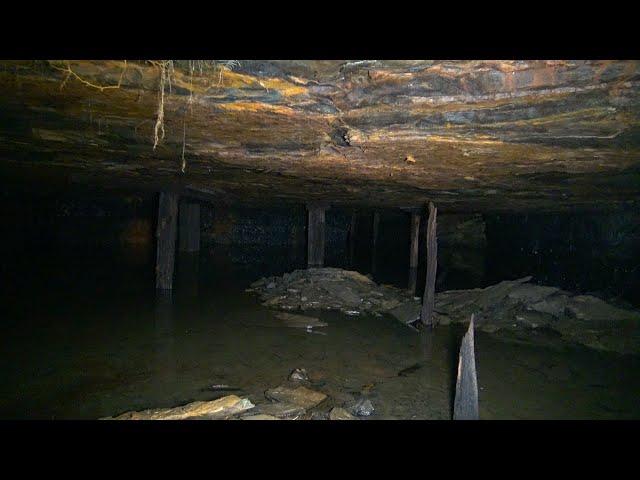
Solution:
(432, 265)
(465, 406)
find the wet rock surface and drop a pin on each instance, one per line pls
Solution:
(363, 408)
(281, 410)
(260, 417)
(301, 396)
(290, 401)
(339, 413)
(222, 408)
(299, 375)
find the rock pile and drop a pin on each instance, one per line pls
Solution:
(293, 400)
(220, 409)
(328, 289)
(517, 309)
(519, 306)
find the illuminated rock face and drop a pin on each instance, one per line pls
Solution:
(222, 408)
(468, 135)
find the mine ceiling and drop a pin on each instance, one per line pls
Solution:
(468, 135)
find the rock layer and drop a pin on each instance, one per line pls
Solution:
(480, 135)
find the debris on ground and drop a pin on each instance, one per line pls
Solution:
(319, 416)
(363, 408)
(301, 396)
(299, 375)
(219, 409)
(259, 416)
(290, 401)
(281, 410)
(515, 309)
(339, 413)
(329, 289)
(524, 311)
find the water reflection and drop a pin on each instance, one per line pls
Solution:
(187, 274)
(164, 347)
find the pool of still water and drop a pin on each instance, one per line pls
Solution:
(84, 336)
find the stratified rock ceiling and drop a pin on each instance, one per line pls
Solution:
(468, 135)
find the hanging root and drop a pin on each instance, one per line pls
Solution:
(226, 65)
(70, 73)
(184, 140)
(158, 130)
(166, 69)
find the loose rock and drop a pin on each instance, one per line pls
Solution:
(328, 289)
(221, 408)
(339, 413)
(517, 307)
(281, 410)
(259, 417)
(363, 408)
(299, 375)
(301, 396)
(319, 416)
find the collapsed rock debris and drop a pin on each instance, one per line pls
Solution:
(514, 309)
(329, 289)
(289, 401)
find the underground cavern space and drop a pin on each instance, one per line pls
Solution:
(309, 240)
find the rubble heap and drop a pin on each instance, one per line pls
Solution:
(518, 306)
(329, 289)
(516, 309)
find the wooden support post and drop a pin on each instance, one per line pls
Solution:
(376, 224)
(465, 405)
(166, 240)
(189, 236)
(428, 299)
(315, 235)
(413, 252)
(352, 238)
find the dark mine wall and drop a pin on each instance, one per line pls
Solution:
(47, 221)
(586, 253)
(250, 234)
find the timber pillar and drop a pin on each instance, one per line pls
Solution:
(428, 300)
(374, 241)
(352, 238)
(166, 240)
(315, 235)
(413, 252)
